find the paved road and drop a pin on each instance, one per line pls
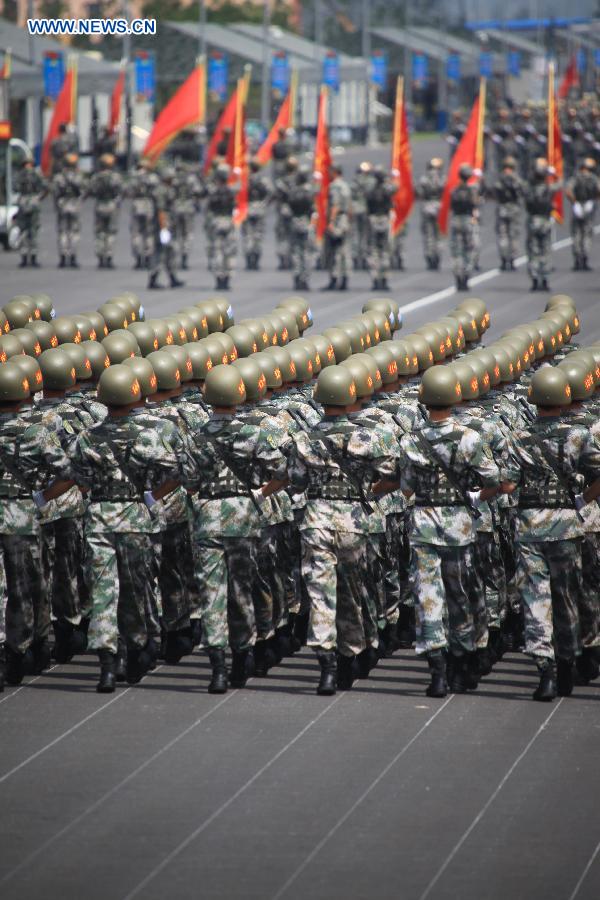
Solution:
(164, 791)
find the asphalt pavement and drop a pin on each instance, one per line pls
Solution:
(162, 790)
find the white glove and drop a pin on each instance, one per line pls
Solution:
(580, 502)
(551, 170)
(149, 499)
(38, 499)
(588, 207)
(578, 210)
(165, 236)
(474, 497)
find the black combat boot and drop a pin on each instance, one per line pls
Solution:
(106, 684)
(367, 660)
(384, 284)
(33, 261)
(345, 672)
(472, 670)
(101, 263)
(496, 645)
(585, 264)
(328, 663)
(332, 284)
(121, 661)
(109, 262)
(587, 665)
(196, 629)
(175, 281)
(153, 282)
(138, 262)
(546, 689)
(184, 261)
(283, 640)
(484, 660)
(576, 264)
(178, 645)
(405, 628)
(218, 681)
(2, 667)
(457, 674)
(16, 666)
(534, 285)
(73, 261)
(139, 661)
(241, 668)
(438, 686)
(63, 633)
(79, 638)
(564, 677)
(62, 261)
(544, 285)
(260, 659)
(23, 263)
(343, 285)
(301, 628)
(375, 285)
(42, 656)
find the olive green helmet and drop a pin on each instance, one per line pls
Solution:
(98, 323)
(270, 369)
(58, 371)
(489, 361)
(311, 348)
(79, 358)
(455, 332)
(163, 333)
(119, 347)
(200, 359)
(143, 371)
(254, 378)
(354, 334)
(184, 362)
(218, 354)
(30, 368)
(98, 357)
(66, 330)
(405, 363)
(305, 316)
(124, 304)
(302, 359)
(27, 300)
(440, 387)
(280, 328)
(296, 310)
(262, 336)
(226, 342)
(390, 309)
(189, 326)
(436, 340)
(369, 322)
(549, 387)
(545, 331)
(4, 323)
(226, 310)
(560, 300)
(29, 342)
(421, 349)
(383, 323)
(340, 342)
(361, 375)
(336, 387)
(469, 325)
(480, 368)
(268, 329)
(478, 310)
(166, 369)
(85, 327)
(14, 384)
(45, 334)
(386, 361)
(10, 346)
(114, 317)
(17, 313)
(286, 364)
(145, 336)
(224, 386)
(214, 319)
(176, 329)
(585, 356)
(243, 339)
(45, 306)
(118, 386)
(504, 363)
(581, 378)
(325, 350)
(198, 318)
(288, 317)
(371, 363)
(468, 380)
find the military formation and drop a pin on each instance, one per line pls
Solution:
(249, 489)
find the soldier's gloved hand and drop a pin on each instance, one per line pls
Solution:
(39, 499)
(580, 502)
(149, 499)
(474, 497)
(588, 207)
(578, 210)
(165, 236)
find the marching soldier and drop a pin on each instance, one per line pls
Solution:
(106, 186)
(583, 191)
(68, 189)
(283, 185)
(360, 223)
(280, 153)
(253, 229)
(61, 146)
(429, 192)
(464, 210)
(187, 194)
(220, 206)
(379, 206)
(164, 242)
(142, 188)
(338, 229)
(539, 197)
(31, 188)
(508, 192)
(301, 203)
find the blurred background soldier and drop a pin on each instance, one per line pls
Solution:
(31, 189)
(68, 188)
(220, 206)
(106, 186)
(280, 153)
(338, 229)
(463, 207)
(141, 189)
(539, 196)
(253, 229)
(431, 187)
(360, 222)
(164, 244)
(106, 143)
(187, 194)
(65, 143)
(583, 191)
(508, 192)
(223, 145)
(455, 132)
(283, 186)
(301, 202)
(379, 204)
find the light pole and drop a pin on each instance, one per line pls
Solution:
(264, 91)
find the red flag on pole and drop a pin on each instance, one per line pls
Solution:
(226, 120)
(6, 65)
(555, 155)
(64, 114)
(569, 80)
(469, 150)
(322, 164)
(115, 102)
(401, 163)
(285, 119)
(240, 153)
(186, 107)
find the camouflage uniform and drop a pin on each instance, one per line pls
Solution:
(142, 188)
(31, 187)
(165, 255)
(379, 205)
(583, 190)
(220, 205)
(338, 229)
(463, 206)
(508, 192)
(359, 187)
(187, 191)
(253, 228)
(538, 203)
(301, 202)
(60, 146)
(429, 192)
(68, 188)
(106, 186)
(283, 218)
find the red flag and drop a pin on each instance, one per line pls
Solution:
(555, 155)
(284, 119)
(401, 163)
(115, 102)
(570, 79)
(186, 107)
(6, 65)
(226, 120)
(64, 114)
(469, 150)
(322, 164)
(240, 154)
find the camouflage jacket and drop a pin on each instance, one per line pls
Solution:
(278, 507)
(375, 417)
(440, 515)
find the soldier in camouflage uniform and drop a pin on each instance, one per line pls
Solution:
(339, 215)
(379, 199)
(555, 458)
(508, 193)
(429, 192)
(359, 188)
(142, 188)
(34, 470)
(280, 153)
(583, 191)
(165, 249)
(220, 206)
(31, 188)
(61, 146)
(539, 197)
(106, 187)
(300, 198)
(253, 228)
(283, 214)
(464, 210)
(188, 192)
(441, 461)
(68, 189)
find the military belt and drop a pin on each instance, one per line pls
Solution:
(430, 501)
(115, 498)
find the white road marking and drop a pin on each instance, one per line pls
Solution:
(585, 872)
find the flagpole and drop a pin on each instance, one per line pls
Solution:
(551, 113)
(293, 96)
(264, 88)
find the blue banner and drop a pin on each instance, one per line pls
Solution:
(331, 70)
(218, 75)
(420, 69)
(145, 76)
(453, 67)
(379, 69)
(581, 60)
(597, 57)
(54, 74)
(280, 73)
(485, 64)
(513, 63)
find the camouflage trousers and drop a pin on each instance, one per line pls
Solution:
(338, 242)
(121, 575)
(224, 250)
(397, 562)
(508, 232)
(588, 601)
(270, 601)
(142, 236)
(283, 237)
(106, 225)
(184, 229)
(582, 232)
(163, 257)
(67, 229)
(253, 235)
(539, 233)
(462, 245)
(448, 598)
(227, 574)
(360, 240)
(29, 224)
(3, 599)
(334, 567)
(175, 575)
(27, 615)
(62, 567)
(489, 564)
(379, 246)
(431, 238)
(301, 249)
(549, 580)
(374, 595)
(397, 248)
